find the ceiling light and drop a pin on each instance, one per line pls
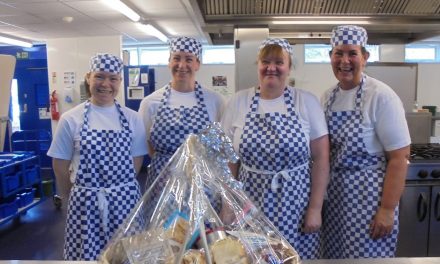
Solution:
(322, 22)
(15, 42)
(68, 19)
(301, 35)
(124, 9)
(321, 17)
(150, 30)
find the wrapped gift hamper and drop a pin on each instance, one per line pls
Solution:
(195, 212)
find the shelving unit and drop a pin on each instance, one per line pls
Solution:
(20, 184)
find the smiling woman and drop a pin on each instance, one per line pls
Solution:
(283, 149)
(369, 153)
(105, 154)
(182, 107)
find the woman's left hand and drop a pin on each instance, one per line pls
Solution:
(312, 221)
(382, 224)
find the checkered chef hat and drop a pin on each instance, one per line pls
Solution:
(186, 44)
(349, 34)
(277, 41)
(106, 62)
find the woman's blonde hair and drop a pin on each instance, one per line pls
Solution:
(273, 50)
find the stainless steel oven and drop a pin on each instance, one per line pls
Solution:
(419, 232)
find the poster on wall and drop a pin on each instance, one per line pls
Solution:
(69, 78)
(220, 85)
(219, 81)
(134, 76)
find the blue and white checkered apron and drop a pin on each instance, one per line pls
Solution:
(275, 170)
(355, 189)
(171, 126)
(105, 189)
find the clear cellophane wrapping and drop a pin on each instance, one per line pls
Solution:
(195, 212)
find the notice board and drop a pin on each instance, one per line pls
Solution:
(401, 77)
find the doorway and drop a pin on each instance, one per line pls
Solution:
(15, 107)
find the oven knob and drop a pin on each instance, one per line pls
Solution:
(422, 174)
(435, 173)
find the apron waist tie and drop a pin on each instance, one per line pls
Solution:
(102, 200)
(276, 175)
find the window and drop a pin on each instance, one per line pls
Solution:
(316, 53)
(319, 53)
(154, 55)
(133, 56)
(15, 106)
(160, 55)
(218, 55)
(421, 53)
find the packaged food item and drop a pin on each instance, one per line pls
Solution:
(147, 247)
(195, 213)
(194, 256)
(228, 251)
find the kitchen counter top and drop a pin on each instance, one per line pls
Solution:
(321, 261)
(375, 261)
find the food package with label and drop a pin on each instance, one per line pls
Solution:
(195, 212)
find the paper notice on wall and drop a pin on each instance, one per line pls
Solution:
(135, 92)
(144, 78)
(43, 113)
(69, 78)
(54, 77)
(220, 85)
(134, 76)
(226, 91)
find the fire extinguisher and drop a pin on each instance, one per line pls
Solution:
(54, 109)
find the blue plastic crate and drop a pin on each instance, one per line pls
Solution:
(8, 209)
(10, 168)
(24, 199)
(31, 175)
(12, 156)
(19, 200)
(12, 182)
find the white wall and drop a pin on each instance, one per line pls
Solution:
(203, 76)
(318, 77)
(66, 55)
(73, 55)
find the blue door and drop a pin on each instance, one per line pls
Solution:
(33, 96)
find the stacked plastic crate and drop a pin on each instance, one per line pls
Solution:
(19, 182)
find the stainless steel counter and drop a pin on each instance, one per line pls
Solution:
(321, 261)
(375, 261)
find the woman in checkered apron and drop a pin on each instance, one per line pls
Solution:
(105, 154)
(178, 109)
(283, 148)
(369, 141)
